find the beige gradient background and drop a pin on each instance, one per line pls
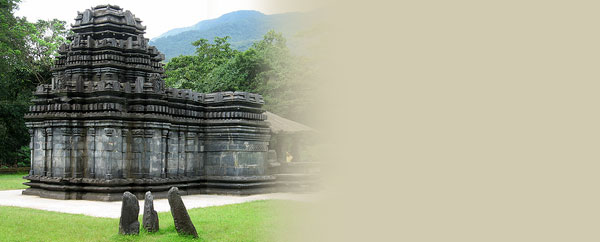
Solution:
(459, 121)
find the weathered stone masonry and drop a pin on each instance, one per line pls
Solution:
(107, 124)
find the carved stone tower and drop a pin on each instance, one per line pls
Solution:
(107, 124)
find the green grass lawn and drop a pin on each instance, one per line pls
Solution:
(252, 221)
(12, 181)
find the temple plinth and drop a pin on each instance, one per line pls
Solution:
(107, 124)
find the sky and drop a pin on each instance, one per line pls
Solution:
(158, 16)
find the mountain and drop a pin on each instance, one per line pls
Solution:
(244, 27)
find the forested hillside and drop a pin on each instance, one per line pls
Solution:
(243, 27)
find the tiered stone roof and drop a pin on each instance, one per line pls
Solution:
(107, 123)
(108, 44)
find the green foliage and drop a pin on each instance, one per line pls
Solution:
(267, 68)
(284, 78)
(252, 221)
(44, 42)
(244, 27)
(27, 51)
(23, 156)
(193, 72)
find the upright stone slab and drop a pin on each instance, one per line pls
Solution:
(150, 219)
(128, 223)
(107, 124)
(183, 223)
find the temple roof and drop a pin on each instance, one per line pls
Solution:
(280, 124)
(108, 16)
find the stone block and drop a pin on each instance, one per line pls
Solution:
(107, 117)
(128, 223)
(183, 223)
(150, 220)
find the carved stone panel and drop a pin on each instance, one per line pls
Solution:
(107, 123)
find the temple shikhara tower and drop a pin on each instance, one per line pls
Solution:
(107, 124)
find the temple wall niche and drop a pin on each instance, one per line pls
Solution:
(173, 154)
(60, 152)
(89, 153)
(38, 151)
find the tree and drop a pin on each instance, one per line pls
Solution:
(267, 68)
(283, 78)
(193, 72)
(44, 41)
(13, 69)
(26, 55)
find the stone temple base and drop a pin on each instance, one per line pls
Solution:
(100, 190)
(107, 124)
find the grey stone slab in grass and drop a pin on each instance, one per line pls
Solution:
(183, 223)
(150, 220)
(129, 224)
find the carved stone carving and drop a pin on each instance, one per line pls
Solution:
(108, 110)
(157, 82)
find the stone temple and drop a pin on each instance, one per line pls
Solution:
(107, 124)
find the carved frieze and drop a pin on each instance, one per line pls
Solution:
(109, 132)
(108, 110)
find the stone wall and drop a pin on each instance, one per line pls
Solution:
(107, 123)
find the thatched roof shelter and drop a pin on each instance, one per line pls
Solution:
(288, 137)
(282, 125)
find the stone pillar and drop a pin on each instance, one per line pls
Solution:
(111, 153)
(90, 157)
(126, 140)
(155, 156)
(67, 152)
(165, 152)
(146, 153)
(191, 151)
(49, 153)
(115, 152)
(102, 155)
(38, 152)
(173, 153)
(136, 152)
(200, 158)
(32, 140)
(181, 153)
(60, 151)
(77, 153)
